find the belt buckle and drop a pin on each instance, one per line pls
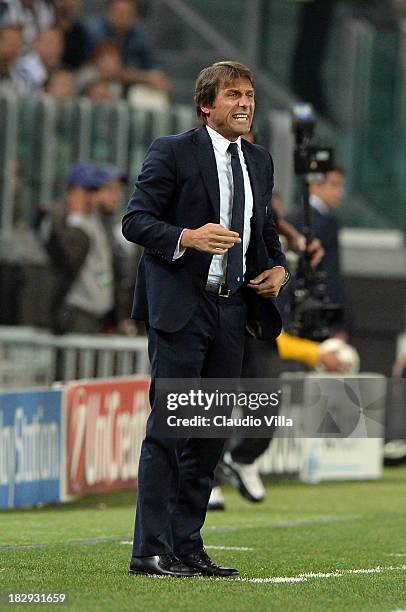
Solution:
(223, 291)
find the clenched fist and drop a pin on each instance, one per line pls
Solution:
(210, 238)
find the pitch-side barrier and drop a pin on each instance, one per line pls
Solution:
(84, 437)
(31, 358)
(80, 439)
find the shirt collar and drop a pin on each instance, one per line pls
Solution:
(220, 143)
(319, 205)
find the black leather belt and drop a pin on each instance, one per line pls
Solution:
(219, 289)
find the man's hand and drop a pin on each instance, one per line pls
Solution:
(316, 252)
(268, 283)
(210, 238)
(127, 327)
(297, 242)
(315, 249)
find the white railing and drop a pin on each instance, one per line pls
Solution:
(31, 358)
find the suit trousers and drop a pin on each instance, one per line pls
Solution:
(175, 476)
(261, 360)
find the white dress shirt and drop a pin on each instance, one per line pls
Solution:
(319, 205)
(218, 265)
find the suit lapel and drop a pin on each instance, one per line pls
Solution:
(253, 174)
(208, 168)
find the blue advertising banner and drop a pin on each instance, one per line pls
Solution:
(31, 448)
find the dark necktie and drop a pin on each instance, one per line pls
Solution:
(234, 272)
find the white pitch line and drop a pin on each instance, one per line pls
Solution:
(299, 578)
(242, 548)
(396, 554)
(321, 575)
(279, 524)
(318, 520)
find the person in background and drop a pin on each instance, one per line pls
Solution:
(325, 197)
(81, 257)
(61, 85)
(76, 36)
(295, 240)
(120, 25)
(109, 200)
(11, 47)
(99, 91)
(50, 48)
(105, 65)
(32, 15)
(46, 55)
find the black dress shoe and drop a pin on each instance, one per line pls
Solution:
(162, 565)
(201, 561)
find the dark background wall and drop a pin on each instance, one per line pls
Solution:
(379, 306)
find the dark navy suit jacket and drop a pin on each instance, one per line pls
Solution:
(178, 188)
(324, 227)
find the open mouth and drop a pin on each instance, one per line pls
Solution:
(241, 117)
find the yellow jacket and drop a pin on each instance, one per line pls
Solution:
(299, 349)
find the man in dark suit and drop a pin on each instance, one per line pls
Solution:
(212, 262)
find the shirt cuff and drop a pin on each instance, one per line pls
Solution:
(179, 251)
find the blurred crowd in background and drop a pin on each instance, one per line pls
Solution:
(56, 47)
(49, 47)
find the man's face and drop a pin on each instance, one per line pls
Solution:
(110, 196)
(233, 109)
(67, 8)
(121, 16)
(11, 44)
(79, 200)
(62, 85)
(50, 46)
(331, 191)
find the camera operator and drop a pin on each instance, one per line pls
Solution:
(325, 196)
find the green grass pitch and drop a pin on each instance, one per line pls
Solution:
(317, 534)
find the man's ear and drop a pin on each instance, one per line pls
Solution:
(205, 110)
